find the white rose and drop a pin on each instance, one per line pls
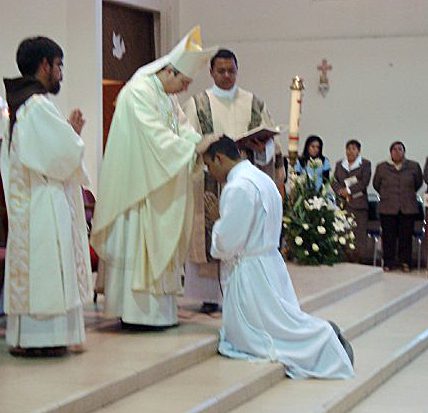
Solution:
(335, 237)
(322, 221)
(315, 247)
(335, 252)
(298, 241)
(351, 235)
(342, 240)
(318, 203)
(321, 230)
(338, 226)
(305, 227)
(351, 246)
(306, 252)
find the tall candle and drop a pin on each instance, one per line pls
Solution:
(295, 112)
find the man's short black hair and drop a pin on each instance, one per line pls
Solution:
(224, 145)
(32, 51)
(355, 143)
(224, 54)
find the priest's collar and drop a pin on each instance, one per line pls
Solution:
(229, 94)
(244, 164)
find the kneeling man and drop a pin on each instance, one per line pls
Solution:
(262, 318)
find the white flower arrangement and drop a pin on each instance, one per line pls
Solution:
(317, 231)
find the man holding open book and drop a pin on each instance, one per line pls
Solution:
(227, 109)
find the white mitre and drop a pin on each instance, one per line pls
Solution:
(188, 57)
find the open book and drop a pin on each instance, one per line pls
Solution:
(261, 134)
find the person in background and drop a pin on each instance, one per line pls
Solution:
(397, 180)
(351, 179)
(312, 153)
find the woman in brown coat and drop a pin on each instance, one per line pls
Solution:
(351, 179)
(397, 181)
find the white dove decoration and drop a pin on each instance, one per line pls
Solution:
(118, 46)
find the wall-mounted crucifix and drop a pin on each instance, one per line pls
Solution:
(324, 84)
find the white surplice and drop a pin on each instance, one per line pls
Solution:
(230, 116)
(48, 272)
(143, 216)
(261, 315)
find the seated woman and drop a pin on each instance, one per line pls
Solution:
(351, 179)
(313, 151)
(397, 180)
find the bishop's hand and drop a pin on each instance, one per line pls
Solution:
(206, 141)
(76, 120)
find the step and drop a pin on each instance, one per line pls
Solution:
(379, 354)
(359, 312)
(403, 393)
(142, 359)
(227, 383)
(218, 384)
(332, 283)
(122, 363)
(342, 403)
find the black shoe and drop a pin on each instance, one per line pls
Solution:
(345, 343)
(47, 352)
(208, 308)
(144, 327)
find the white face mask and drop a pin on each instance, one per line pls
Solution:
(225, 94)
(263, 158)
